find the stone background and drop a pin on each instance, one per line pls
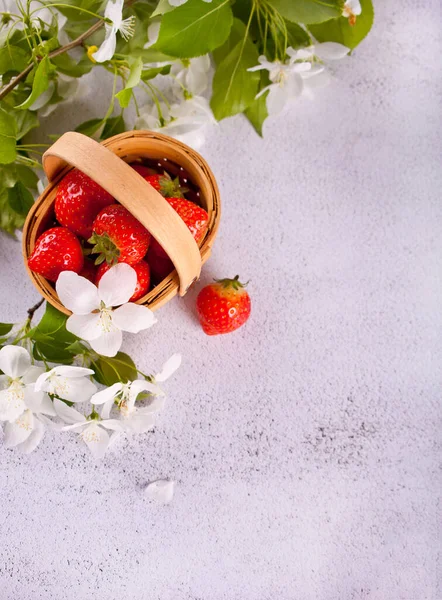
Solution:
(304, 446)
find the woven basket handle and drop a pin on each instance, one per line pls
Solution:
(133, 192)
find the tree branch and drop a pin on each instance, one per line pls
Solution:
(32, 310)
(77, 42)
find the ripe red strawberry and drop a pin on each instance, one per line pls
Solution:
(143, 278)
(196, 219)
(168, 187)
(79, 200)
(56, 250)
(89, 270)
(223, 306)
(142, 170)
(118, 236)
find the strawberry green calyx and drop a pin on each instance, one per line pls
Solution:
(234, 283)
(171, 188)
(105, 248)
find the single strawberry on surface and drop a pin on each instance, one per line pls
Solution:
(56, 250)
(196, 219)
(78, 201)
(142, 270)
(223, 306)
(118, 237)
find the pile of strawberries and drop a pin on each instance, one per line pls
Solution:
(94, 232)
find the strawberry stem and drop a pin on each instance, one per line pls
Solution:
(105, 248)
(233, 283)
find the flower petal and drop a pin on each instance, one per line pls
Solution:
(73, 390)
(46, 407)
(117, 285)
(32, 398)
(77, 293)
(112, 424)
(139, 423)
(11, 404)
(106, 409)
(169, 368)
(276, 100)
(331, 51)
(35, 437)
(67, 413)
(141, 385)
(72, 372)
(133, 317)
(14, 361)
(86, 327)
(107, 394)
(32, 374)
(17, 431)
(161, 490)
(107, 48)
(114, 11)
(96, 439)
(108, 343)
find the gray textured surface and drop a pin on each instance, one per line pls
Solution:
(305, 446)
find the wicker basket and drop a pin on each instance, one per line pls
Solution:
(106, 164)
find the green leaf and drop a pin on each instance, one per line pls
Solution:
(90, 127)
(195, 28)
(147, 74)
(257, 111)
(113, 126)
(124, 97)
(8, 134)
(77, 15)
(26, 120)
(113, 370)
(8, 176)
(5, 328)
(66, 65)
(27, 176)
(308, 11)
(234, 87)
(297, 37)
(40, 83)
(20, 199)
(13, 58)
(236, 35)
(340, 30)
(52, 339)
(10, 221)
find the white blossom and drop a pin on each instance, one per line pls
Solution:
(351, 10)
(288, 78)
(181, 2)
(21, 405)
(70, 383)
(95, 318)
(136, 419)
(192, 76)
(93, 432)
(126, 27)
(185, 121)
(161, 490)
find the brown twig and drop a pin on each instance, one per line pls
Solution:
(77, 42)
(32, 310)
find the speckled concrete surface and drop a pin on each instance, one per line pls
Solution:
(304, 447)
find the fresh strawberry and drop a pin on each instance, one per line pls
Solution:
(78, 201)
(89, 270)
(143, 278)
(142, 170)
(56, 250)
(168, 187)
(196, 219)
(118, 236)
(223, 306)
